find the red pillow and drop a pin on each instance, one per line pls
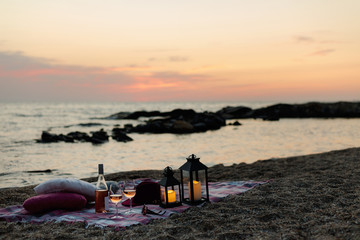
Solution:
(52, 201)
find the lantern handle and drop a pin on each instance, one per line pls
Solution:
(168, 172)
(192, 157)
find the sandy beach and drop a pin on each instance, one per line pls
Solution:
(310, 197)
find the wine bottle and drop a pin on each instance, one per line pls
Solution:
(101, 193)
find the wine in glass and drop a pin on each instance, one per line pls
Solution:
(129, 190)
(115, 197)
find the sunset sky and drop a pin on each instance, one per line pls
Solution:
(189, 50)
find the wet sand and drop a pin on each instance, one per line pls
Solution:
(310, 197)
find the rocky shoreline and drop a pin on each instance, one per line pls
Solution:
(185, 121)
(314, 196)
(277, 111)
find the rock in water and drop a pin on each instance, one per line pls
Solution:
(79, 136)
(235, 112)
(99, 137)
(119, 135)
(181, 126)
(47, 137)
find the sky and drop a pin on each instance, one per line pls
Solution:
(164, 50)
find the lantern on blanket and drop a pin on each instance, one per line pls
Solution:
(170, 194)
(194, 181)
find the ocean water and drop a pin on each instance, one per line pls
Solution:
(22, 123)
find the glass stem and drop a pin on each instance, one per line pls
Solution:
(130, 204)
(116, 209)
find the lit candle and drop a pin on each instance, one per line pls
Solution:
(172, 196)
(197, 190)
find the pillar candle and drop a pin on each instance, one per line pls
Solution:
(197, 190)
(171, 195)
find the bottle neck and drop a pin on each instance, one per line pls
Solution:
(101, 183)
(101, 169)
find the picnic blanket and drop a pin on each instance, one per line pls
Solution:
(217, 191)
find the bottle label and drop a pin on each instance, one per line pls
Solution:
(100, 200)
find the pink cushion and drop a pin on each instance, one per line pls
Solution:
(52, 201)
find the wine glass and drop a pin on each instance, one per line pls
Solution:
(115, 197)
(129, 190)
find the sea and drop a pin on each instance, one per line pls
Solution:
(21, 123)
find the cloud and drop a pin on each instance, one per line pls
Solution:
(30, 78)
(324, 45)
(17, 60)
(304, 39)
(169, 75)
(323, 52)
(24, 78)
(129, 68)
(307, 39)
(165, 81)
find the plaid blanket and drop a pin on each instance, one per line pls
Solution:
(217, 191)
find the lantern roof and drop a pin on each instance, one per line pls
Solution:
(168, 179)
(193, 164)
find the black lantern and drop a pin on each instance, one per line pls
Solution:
(170, 194)
(194, 181)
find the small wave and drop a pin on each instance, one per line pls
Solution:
(24, 142)
(40, 171)
(65, 174)
(28, 115)
(4, 174)
(84, 125)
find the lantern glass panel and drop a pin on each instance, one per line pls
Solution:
(202, 181)
(177, 190)
(162, 193)
(173, 194)
(185, 184)
(199, 185)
